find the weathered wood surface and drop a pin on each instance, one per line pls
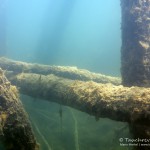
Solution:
(62, 71)
(135, 51)
(119, 103)
(101, 100)
(15, 129)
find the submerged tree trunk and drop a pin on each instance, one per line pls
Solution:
(61, 71)
(15, 129)
(135, 53)
(101, 100)
(119, 103)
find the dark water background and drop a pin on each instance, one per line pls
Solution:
(80, 33)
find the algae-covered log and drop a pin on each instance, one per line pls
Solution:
(15, 128)
(135, 52)
(62, 71)
(101, 100)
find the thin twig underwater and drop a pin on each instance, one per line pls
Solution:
(60, 115)
(41, 135)
(42, 113)
(75, 130)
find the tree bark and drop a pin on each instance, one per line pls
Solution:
(101, 100)
(135, 52)
(119, 103)
(90, 97)
(15, 129)
(62, 71)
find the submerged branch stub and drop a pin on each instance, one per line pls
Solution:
(135, 51)
(101, 100)
(15, 129)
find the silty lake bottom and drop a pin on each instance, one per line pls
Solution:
(72, 129)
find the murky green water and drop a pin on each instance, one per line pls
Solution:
(75, 130)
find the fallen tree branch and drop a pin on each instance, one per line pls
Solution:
(119, 103)
(15, 128)
(62, 71)
(101, 100)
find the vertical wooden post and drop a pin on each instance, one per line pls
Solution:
(135, 51)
